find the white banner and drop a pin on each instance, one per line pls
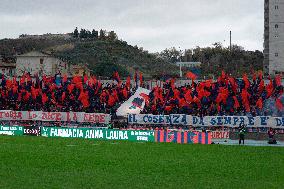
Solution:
(135, 104)
(55, 116)
(228, 121)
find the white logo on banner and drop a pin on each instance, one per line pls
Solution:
(135, 104)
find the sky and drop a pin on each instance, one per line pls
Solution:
(152, 24)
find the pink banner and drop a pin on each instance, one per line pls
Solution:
(81, 117)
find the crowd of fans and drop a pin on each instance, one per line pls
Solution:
(226, 96)
(51, 94)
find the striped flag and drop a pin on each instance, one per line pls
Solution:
(182, 137)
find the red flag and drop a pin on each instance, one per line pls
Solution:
(141, 79)
(261, 86)
(259, 103)
(77, 79)
(146, 98)
(260, 74)
(29, 78)
(98, 86)
(168, 108)
(207, 83)
(95, 79)
(236, 104)
(245, 96)
(111, 101)
(63, 96)
(84, 98)
(8, 83)
(247, 107)
(135, 76)
(27, 96)
(222, 95)
(70, 88)
(254, 76)
(103, 96)
(44, 98)
(246, 81)
(188, 96)
(91, 82)
(14, 80)
(125, 93)
(233, 84)
(278, 80)
(182, 103)
(64, 78)
(172, 83)
(85, 103)
(34, 92)
(279, 104)
(23, 79)
(15, 89)
(176, 93)
(115, 95)
(197, 101)
(223, 75)
(85, 78)
(116, 77)
(128, 82)
(191, 75)
(269, 88)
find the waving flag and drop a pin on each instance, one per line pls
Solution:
(135, 104)
(191, 75)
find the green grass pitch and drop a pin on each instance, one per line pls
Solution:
(38, 162)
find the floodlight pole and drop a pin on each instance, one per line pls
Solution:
(230, 40)
(180, 71)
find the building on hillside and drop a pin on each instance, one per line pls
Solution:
(189, 65)
(79, 70)
(273, 37)
(7, 68)
(38, 63)
(47, 36)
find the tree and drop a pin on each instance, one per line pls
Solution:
(217, 58)
(102, 34)
(95, 34)
(82, 33)
(76, 33)
(171, 55)
(112, 36)
(88, 34)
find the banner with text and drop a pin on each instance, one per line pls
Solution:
(8, 130)
(228, 121)
(32, 131)
(104, 134)
(81, 117)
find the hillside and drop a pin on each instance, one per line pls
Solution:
(103, 56)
